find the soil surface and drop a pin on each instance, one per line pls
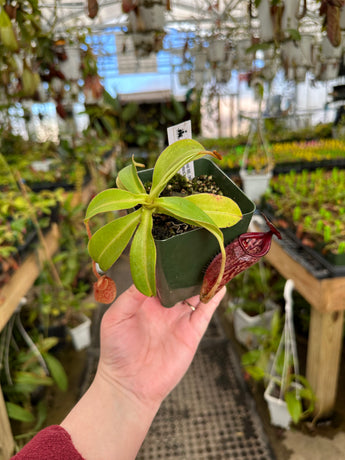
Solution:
(165, 226)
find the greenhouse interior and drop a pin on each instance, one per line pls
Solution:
(230, 346)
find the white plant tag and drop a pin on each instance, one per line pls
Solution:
(176, 133)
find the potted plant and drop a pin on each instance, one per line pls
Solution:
(173, 267)
(290, 397)
(275, 361)
(216, 51)
(144, 16)
(293, 404)
(257, 161)
(81, 332)
(253, 301)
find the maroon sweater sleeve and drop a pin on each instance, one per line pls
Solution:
(52, 443)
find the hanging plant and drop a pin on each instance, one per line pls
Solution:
(330, 9)
(92, 8)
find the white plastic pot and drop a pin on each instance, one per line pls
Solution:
(153, 17)
(200, 61)
(328, 51)
(289, 17)
(300, 73)
(199, 79)
(216, 50)
(222, 74)
(184, 77)
(244, 59)
(279, 414)
(71, 67)
(255, 184)
(329, 71)
(266, 23)
(242, 321)
(81, 334)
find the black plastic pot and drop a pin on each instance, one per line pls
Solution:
(182, 259)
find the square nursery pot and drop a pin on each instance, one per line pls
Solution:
(279, 414)
(278, 409)
(255, 184)
(182, 259)
(81, 334)
(242, 321)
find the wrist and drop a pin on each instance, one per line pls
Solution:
(133, 402)
(109, 421)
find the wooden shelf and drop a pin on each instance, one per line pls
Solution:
(25, 276)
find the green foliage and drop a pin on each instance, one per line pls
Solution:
(252, 288)
(17, 412)
(16, 217)
(25, 371)
(256, 362)
(297, 393)
(308, 205)
(56, 371)
(60, 301)
(209, 211)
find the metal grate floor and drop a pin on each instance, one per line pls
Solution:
(209, 415)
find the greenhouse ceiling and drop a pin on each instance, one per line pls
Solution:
(198, 16)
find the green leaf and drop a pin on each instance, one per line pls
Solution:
(183, 209)
(223, 210)
(113, 199)
(275, 324)
(56, 371)
(108, 243)
(129, 111)
(128, 179)
(191, 214)
(143, 256)
(41, 415)
(294, 405)
(17, 412)
(7, 34)
(255, 372)
(29, 378)
(294, 34)
(171, 160)
(47, 343)
(250, 357)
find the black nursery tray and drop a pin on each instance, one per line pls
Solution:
(299, 166)
(313, 261)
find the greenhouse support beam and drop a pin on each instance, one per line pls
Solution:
(323, 360)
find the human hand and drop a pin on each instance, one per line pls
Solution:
(146, 348)
(145, 351)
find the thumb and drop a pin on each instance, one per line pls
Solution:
(203, 313)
